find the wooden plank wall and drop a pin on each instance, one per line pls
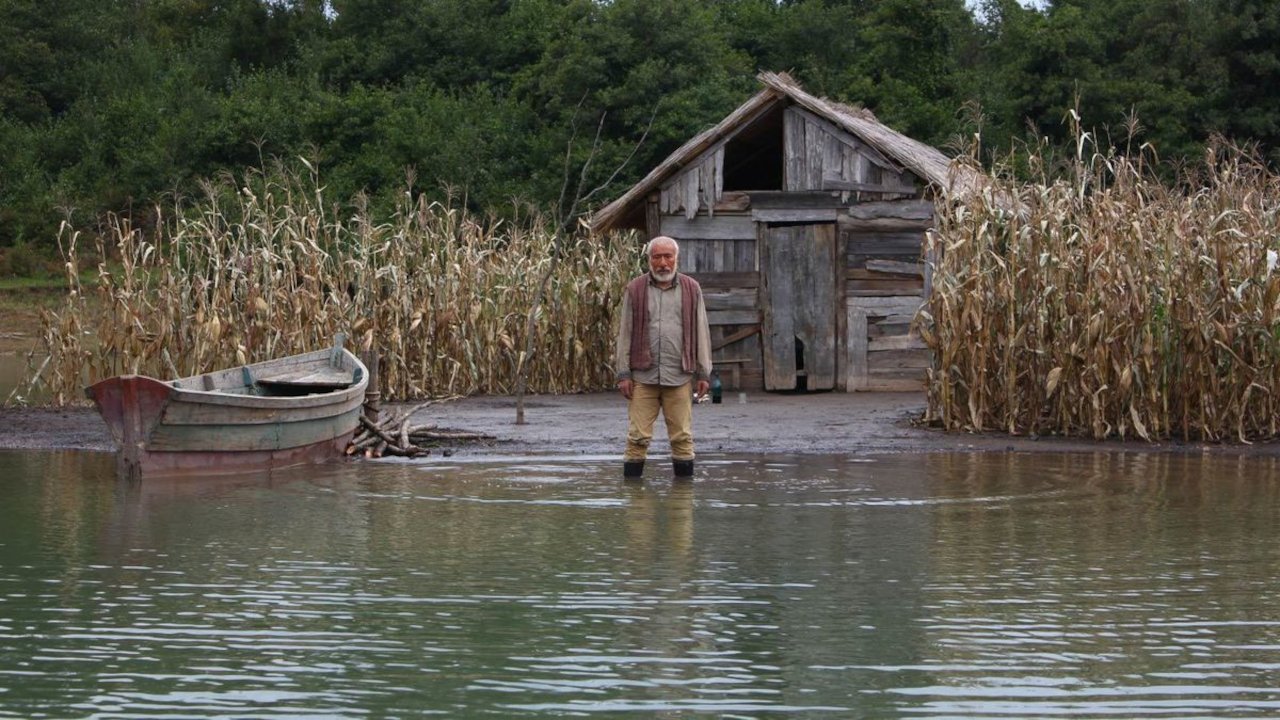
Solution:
(699, 186)
(884, 286)
(829, 175)
(720, 253)
(821, 156)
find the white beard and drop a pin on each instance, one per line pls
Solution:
(665, 277)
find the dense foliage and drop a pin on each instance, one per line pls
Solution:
(107, 105)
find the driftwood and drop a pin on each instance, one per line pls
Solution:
(392, 434)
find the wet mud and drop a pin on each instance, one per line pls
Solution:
(595, 423)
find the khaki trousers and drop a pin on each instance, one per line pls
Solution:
(676, 404)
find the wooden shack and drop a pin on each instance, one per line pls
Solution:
(804, 220)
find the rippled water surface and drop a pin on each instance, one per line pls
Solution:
(943, 586)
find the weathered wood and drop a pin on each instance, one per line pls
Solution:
(892, 326)
(799, 303)
(891, 320)
(884, 225)
(856, 341)
(735, 366)
(733, 201)
(721, 227)
(732, 317)
(726, 255)
(930, 262)
(732, 299)
(793, 150)
(846, 137)
(882, 288)
(235, 438)
(689, 196)
(777, 325)
(893, 186)
(735, 337)
(691, 254)
(795, 215)
(882, 306)
(904, 243)
(876, 384)
(814, 145)
(832, 155)
(839, 265)
(727, 280)
(717, 174)
(895, 342)
(892, 209)
(863, 282)
(862, 273)
(887, 360)
(698, 257)
(894, 267)
(781, 200)
(653, 216)
(320, 378)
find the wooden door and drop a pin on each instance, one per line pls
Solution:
(798, 270)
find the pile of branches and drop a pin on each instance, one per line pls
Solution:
(394, 434)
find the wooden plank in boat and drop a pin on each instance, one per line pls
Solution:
(322, 378)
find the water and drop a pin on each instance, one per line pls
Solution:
(921, 586)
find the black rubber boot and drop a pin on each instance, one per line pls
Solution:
(683, 469)
(632, 469)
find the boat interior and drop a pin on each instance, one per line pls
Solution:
(290, 381)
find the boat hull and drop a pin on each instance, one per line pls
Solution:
(168, 428)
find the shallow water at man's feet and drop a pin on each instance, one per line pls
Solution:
(933, 585)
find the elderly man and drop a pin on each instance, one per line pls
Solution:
(663, 347)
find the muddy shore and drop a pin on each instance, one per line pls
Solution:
(820, 423)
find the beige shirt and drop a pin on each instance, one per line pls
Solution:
(666, 339)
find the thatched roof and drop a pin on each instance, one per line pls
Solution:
(925, 161)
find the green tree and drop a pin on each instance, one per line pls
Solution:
(1247, 38)
(1114, 60)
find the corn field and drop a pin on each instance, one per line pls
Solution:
(1109, 303)
(260, 267)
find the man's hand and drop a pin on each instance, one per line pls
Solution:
(625, 387)
(703, 388)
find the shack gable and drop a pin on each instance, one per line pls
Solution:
(804, 219)
(821, 156)
(788, 148)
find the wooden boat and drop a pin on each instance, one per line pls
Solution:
(271, 414)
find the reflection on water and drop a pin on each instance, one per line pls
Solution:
(913, 586)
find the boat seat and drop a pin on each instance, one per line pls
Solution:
(325, 379)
